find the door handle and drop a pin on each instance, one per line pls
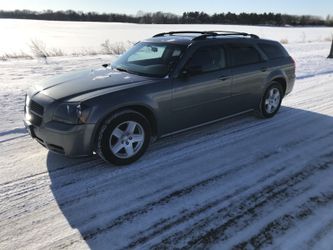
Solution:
(264, 69)
(224, 78)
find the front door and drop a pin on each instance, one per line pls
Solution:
(202, 93)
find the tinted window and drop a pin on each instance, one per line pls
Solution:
(271, 51)
(207, 59)
(243, 54)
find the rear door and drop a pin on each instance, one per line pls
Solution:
(202, 95)
(249, 71)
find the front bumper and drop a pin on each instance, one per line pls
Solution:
(66, 139)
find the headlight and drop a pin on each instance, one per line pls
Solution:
(72, 113)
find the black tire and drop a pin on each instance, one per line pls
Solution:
(105, 137)
(263, 109)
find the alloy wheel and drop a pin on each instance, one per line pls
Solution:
(272, 100)
(127, 139)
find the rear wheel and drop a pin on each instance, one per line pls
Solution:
(124, 138)
(271, 101)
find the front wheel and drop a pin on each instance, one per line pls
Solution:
(271, 100)
(124, 138)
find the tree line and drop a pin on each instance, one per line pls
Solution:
(195, 17)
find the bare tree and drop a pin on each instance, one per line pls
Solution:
(38, 48)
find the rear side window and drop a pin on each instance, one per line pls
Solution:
(243, 54)
(207, 59)
(272, 51)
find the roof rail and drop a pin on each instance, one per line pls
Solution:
(224, 33)
(183, 32)
(204, 34)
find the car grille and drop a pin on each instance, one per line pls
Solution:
(36, 108)
(36, 113)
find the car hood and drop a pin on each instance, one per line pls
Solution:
(77, 83)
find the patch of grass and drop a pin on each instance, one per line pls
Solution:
(20, 55)
(284, 41)
(38, 49)
(85, 52)
(114, 48)
(56, 52)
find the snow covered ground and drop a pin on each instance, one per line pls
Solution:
(244, 183)
(73, 37)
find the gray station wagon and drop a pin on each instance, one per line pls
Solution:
(166, 84)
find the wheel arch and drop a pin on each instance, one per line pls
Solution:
(282, 81)
(277, 76)
(142, 109)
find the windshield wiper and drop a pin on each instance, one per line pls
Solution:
(126, 70)
(121, 69)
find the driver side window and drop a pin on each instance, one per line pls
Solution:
(207, 59)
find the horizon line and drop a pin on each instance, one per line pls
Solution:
(167, 12)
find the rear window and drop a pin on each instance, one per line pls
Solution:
(272, 51)
(243, 54)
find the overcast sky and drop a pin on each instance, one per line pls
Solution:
(312, 7)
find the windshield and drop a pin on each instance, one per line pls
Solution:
(150, 59)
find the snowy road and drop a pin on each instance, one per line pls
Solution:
(243, 183)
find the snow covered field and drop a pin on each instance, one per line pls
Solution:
(244, 183)
(73, 37)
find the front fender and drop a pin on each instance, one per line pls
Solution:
(154, 98)
(111, 103)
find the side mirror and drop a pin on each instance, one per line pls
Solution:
(191, 70)
(184, 74)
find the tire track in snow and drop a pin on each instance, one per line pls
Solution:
(233, 171)
(243, 212)
(280, 225)
(185, 191)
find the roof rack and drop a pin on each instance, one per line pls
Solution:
(224, 33)
(204, 34)
(182, 32)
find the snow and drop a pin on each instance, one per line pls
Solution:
(245, 182)
(80, 36)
